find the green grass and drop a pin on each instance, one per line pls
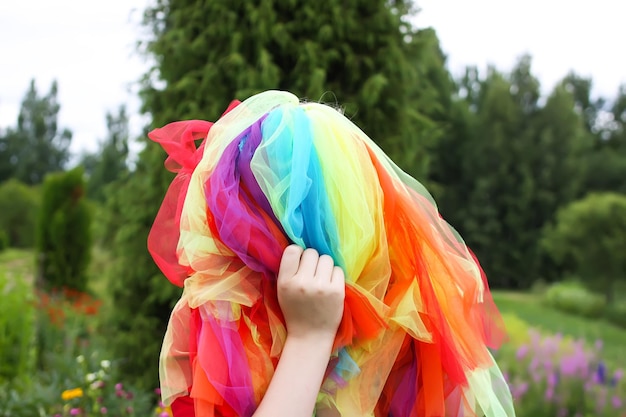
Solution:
(529, 308)
(21, 262)
(17, 262)
(96, 272)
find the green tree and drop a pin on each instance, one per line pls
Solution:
(589, 108)
(109, 163)
(363, 54)
(559, 157)
(607, 160)
(587, 240)
(64, 232)
(36, 146)
(525, 87)
(506, 165)
(500, 184)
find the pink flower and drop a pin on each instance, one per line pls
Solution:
(103, 410)
(616, 402)
(75, 411)
(551, 379)
(598, 345)
(119, 386)
(518, 391)
(522, 352)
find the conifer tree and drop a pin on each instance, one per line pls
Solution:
(110, 162)
(63, 232)
(36, 146)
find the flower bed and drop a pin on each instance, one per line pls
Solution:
(553, 376)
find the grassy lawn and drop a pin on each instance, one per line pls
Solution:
(530, 309)
(21, 263)
(17, 262)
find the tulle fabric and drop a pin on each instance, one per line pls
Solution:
(418, 318)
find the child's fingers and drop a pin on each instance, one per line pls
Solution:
(338, 278)
(290, 262)
(308, 263)
(324, 270)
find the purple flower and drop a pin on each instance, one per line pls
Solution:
(522, 352)
(535, 337)
(618, 375)
(616, 402)
(164, 414)
(75, 411)
(598, 345)
(551, 345)
(601, 372)
(549, 394)
(119, 386)
(518, 391)
(157, 391)
(547, 365)
(552, 379)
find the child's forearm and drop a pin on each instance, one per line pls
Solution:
(297, 379)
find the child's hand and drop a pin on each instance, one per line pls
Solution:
(311, 291)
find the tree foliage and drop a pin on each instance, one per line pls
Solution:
(63, 232)
(109, 163)
(36, 146)
(587, 240)
(363, 54)
(506, 164)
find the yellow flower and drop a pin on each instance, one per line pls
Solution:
(163, 411)
(70, 394)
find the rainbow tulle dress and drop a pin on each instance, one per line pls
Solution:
(418, 318)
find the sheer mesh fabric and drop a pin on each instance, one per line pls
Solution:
(418, 317)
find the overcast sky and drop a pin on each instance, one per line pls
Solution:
(89, 48)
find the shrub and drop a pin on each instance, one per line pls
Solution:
(18, 213)
(616, 314)
(574, 298)
(63, 232)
